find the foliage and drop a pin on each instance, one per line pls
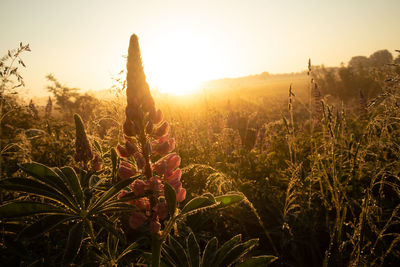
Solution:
(309, 178)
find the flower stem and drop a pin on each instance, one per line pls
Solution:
(156, 250)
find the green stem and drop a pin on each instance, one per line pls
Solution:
(156, 250)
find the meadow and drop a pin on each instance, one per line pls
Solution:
(280, 170)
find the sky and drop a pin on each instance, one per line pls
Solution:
(186, 42)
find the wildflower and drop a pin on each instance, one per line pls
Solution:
(137, 219)
(155, 225)
(125, 170)
(161, 210)
(96, 164)
(83, 149)
(143, 203)
(138, 187)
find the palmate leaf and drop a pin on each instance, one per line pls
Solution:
(27, 208)
(225, 248)
(34, 187)
(196, 204)
(47, 176)
(111, 193)
(264, 260)
(43, 226)
(180, 252)
(170, 197)
(74, 242)
(194, 250)
(237, 252)
(210, 252)
(228, 199)
(73, 183)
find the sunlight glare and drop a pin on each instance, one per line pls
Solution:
(179, 62)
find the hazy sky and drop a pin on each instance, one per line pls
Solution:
(183, 42)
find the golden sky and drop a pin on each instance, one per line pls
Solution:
(186, 42)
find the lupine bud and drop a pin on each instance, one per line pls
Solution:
(181, 195)
(173, 162)
(158, 117)
(83, 150)
(147, 148)
(129, 128)
(140, 161)
(160, 166)
(125, 170)
(130, 147)
(161, 210)
(166, 147)
(162, 130)
(122, 151)
(136, 220)
(96, 164)
(138, 187)
(155, 226)
(175, 176)
(149, 127)
(143, 203)
(155, 184)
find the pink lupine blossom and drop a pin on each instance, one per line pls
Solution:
(122, 151)
(161, 210)
(162, 130)
(181, 195)
(140, 160)
(137, 219)
(125, 170)
(143, 203)
(146, 138)
(138, 187)
(155, 225)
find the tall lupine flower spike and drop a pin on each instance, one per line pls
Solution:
(83, 149)
(146, 137)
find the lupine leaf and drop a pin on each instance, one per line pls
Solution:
(133, 246)
(34, 187)
(43, 226)
(194, 250)
(73, 182)
(170, 197)
(112, 192)
(108, 226)
(197, 203)
(237, 252)
(180, 252)
(210, 252)
(27, 208)
(258, 261)
(166, 256)
(226, 247)
(228, 199)
(46, 175)
(74, 242)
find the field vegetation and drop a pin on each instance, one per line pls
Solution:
(283, 170)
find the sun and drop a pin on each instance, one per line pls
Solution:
(178, 62)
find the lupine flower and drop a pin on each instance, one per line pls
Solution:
(137, 219)
(122, 151)
(96, 163)
(161, 210)
(83, 149)
(146, 136)
(143, 203)
(138, 187)
(125, 170)
(181, 195)
(155, 225)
